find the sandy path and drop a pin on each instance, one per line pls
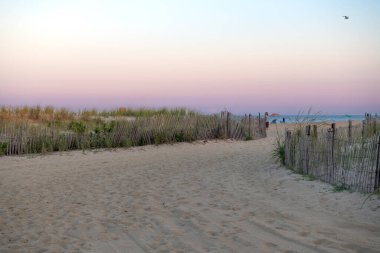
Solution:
(213, 197)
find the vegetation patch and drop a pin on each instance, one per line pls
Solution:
(340, 188)
(77, 126)
(309, 177)
(278, 152)
(3, 148)
(42, 130)
(248, 137)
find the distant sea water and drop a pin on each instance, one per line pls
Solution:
(318, 118)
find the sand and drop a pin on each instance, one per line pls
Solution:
(223, 196)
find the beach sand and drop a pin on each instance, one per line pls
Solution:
(224, 196)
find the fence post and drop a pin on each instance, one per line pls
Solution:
(332, 172)
(315, 131)
(228, 125)
(308, 128)
(288, 140)
(253, 128)
(307, 143)
(369, 125)
(377, 173)
(260, 126)
(223, 124)
(349, 130)
(249, 125)
(245, 123)
(265, 124)
(374, 125)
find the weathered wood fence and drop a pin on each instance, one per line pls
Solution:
(346, 156)
(26, 138)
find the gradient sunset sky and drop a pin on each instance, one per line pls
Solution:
(246, 56)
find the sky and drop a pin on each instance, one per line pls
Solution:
(243, 55)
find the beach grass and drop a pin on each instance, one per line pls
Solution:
(25, 130)
(48, 113)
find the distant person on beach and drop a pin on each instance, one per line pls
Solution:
(283, 120)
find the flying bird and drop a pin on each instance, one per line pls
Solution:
(346, 17)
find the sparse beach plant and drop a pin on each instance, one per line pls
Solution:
(180, 137)
(127, 142)
(64, 114)
(62, 143)
(278, 152)
(34, 113)
(109, 127)
(77, 127)
(305, 118)
(248, 137)
(309, 177)
(340, 188)
(3, 148)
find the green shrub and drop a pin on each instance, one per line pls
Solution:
(48, 144)
(77, 127)
(309, 177)
(127, 143)
(141, 141)
(340, 188)
(109, 127)
(62, 143)
(158, 138)
(161, 137)
(278, 152)
(184, 136)
(44, 149)
(3, 148)
(248, 137)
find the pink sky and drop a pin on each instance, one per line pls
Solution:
(98, 60)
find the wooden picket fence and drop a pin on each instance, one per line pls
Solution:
(27, 138)
(348, 156)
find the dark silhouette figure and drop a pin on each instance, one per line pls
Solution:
(346, 17)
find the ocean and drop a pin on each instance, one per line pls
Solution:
(316, 118)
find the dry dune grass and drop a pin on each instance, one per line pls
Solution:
(203, 197)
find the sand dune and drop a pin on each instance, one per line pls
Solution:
(215, 197)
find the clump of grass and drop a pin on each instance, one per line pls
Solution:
(146, 112)
(127, 142)
(309, 177)
(278, 152)
(248, 137)
(340, 188)
(180, 137)
(64, 114)
(77, 127)
(35, 113)
(3, 148)
(305, 118)
(48, 113)
(87, 115)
